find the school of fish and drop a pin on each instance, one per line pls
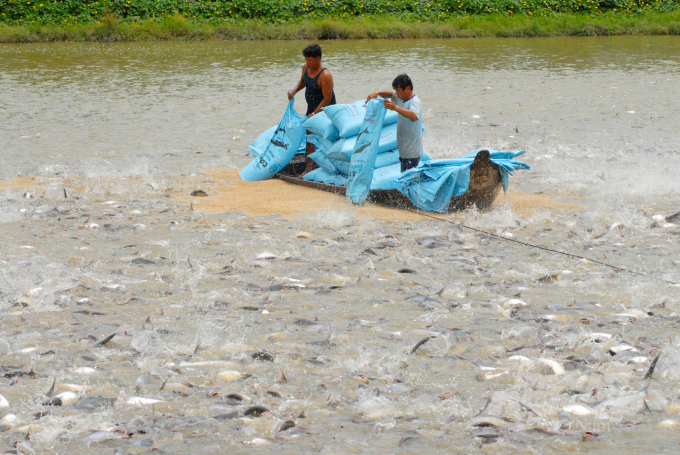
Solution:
(139, 325)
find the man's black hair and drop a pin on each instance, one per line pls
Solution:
(402, 81)
(313, 50)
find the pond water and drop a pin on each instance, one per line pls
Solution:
(525, 351)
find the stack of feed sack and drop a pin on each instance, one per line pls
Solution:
(335, 132)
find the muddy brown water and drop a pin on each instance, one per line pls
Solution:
(101, 145)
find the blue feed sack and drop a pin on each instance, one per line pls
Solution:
(391, 118)
(320, 143)
(385, 178)
(322, 176)
(281, 148)
(341, 166)
(320, 124)
(387, 158)
(310, 176)
(336, 179)
(323, 162)
(260, 144)
(347, 118)
(362, 162)
(382, 160)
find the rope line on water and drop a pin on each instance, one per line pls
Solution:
(540, 247)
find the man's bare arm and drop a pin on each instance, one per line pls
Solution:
(300, 84)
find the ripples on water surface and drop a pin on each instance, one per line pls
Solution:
(216, 306)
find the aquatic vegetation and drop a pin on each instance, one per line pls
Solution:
(174, 13)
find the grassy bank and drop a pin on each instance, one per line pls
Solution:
(492, 25)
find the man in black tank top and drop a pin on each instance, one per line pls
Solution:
(318, 83)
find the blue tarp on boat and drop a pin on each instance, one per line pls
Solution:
(431, 185)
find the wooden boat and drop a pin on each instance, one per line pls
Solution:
(485, 184)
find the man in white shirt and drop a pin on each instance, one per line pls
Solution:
(410, 122)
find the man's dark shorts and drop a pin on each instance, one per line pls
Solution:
(408, 163)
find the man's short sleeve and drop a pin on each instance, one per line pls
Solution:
(416, 107)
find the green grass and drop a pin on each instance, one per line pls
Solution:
(493, 25)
